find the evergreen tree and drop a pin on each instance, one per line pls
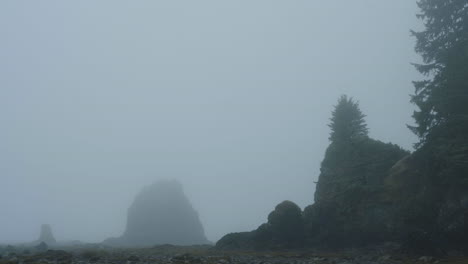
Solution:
(347, 121)
(442, 98)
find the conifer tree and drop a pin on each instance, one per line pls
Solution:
(442, 98)
(347, 121)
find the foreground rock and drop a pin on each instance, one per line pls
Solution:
(284, 230)
(161, 214)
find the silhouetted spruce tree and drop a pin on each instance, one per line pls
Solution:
(347, 121)
(442, 98)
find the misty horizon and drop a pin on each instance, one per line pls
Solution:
(232, 99)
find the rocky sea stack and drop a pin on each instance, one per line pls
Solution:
(46, 235)
(373, 193)
(161, 214)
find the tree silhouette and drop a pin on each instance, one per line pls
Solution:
(442, 98)
(347, 121)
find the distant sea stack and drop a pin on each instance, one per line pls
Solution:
(161, 214)
(46, 235)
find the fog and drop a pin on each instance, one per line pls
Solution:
(101, 98)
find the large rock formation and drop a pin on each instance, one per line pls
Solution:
(429, 191)
(421, 201)
(284, 229)
(46, 235)
(370, 193)
(161, 214)
(351, 206)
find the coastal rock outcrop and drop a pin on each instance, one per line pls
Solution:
(161, 214)
(46, 235)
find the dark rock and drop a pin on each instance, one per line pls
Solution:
(285, 229)
(13, 260)
(235, 241)
(93, 254)
(42, 246)
(10, 248)
(353, 164)
(58, 255)
(426, 259)
(186, 258)
(372, 193)
(161, 214)
(94, 259)
(420, 202)
(351, 207)
(133, 258)
(53, 256)
(420, 242)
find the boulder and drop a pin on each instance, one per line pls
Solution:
(284, 229)
(236, 241)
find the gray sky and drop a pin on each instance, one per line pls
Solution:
(232, 98)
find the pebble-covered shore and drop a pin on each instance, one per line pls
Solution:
(206, 255)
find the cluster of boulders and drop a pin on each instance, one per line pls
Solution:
(24, 254)
(349, 208)
(370, 193)
(284, 229)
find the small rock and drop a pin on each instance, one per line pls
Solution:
(94, 259)
(426, 259)
(10, 248)
(42, 246)
(133, 258)
(454, 253)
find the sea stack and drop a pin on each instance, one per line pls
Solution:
(46, 235)
(161, 214)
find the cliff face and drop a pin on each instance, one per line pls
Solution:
(362, 164)
(351, 206)
(161, 214)
(373, 192)
(429, 191)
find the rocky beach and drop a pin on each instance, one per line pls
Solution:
(168, 254)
